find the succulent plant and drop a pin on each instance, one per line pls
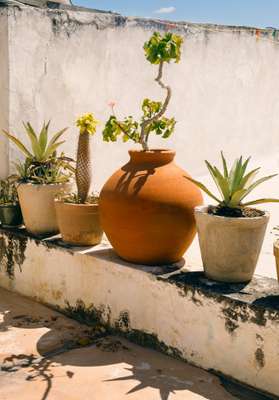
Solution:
(8, 192)
(87, 125)
(234, 184)
(159, 49)
(42, 165)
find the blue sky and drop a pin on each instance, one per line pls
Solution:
(261, 13)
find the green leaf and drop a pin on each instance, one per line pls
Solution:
(260, 201)
(19, 144)
(225, 168)
(34, 141)
(43, 137)
(53, 140)
(257, 183)
(236, 198)
(204, 188)
(51, 149)
(249, 177)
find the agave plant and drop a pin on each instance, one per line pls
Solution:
(41, 149)
(235, 184)
(42, 165)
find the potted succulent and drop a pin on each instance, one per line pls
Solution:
(10, 213)
(147, 206)
(78, 213)
(42, 174)
(232, 232)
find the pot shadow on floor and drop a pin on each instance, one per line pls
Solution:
(126, 367)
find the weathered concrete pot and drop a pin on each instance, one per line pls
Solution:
(230, 247)
(10, 215)
(37, 206)
(79, 224)
(147, 209)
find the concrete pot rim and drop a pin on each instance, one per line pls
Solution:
(42, 184)
(203, 210)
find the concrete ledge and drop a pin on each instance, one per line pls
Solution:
(233, 329)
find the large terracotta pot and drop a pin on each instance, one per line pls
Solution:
(79, 224)
(37, 206)
(147, 208)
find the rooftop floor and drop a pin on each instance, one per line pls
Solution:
(44, 355)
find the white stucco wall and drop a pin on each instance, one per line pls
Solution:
(4, 90)
(225, 89)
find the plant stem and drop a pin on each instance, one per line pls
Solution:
(144, 126)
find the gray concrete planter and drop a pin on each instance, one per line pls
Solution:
(230, 247)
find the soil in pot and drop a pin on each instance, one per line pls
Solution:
(79, 224)
(147, 209)
(243, 212)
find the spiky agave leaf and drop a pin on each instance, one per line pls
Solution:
(235, 185)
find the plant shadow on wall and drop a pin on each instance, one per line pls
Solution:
(133, 180)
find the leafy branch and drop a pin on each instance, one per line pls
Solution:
(158, 50)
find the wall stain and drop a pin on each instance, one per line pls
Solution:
(12, 253)
(259, 357)
(101, 316)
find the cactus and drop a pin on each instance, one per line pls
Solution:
(87, 124)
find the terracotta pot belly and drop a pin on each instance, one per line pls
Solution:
(147, 209)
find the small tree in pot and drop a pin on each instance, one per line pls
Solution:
(147, 206)
(231, 234)
(159, 50)
(42, 174)
(78, 213)
(10, 213)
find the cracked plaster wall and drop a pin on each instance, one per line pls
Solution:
(225, 89)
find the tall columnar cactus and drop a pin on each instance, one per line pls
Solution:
(87, 125)
(158, 50)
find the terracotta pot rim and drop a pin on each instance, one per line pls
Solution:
(152, 151)
(43, 184)
(203, 210)
(87, 205)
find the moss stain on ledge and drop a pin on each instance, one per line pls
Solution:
(101, 316)
(12, 253)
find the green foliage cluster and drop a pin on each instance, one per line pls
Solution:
(163, 48)
(130, 129)
(42, 165)
(8, 192)
(158, 50)
(234, 184)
